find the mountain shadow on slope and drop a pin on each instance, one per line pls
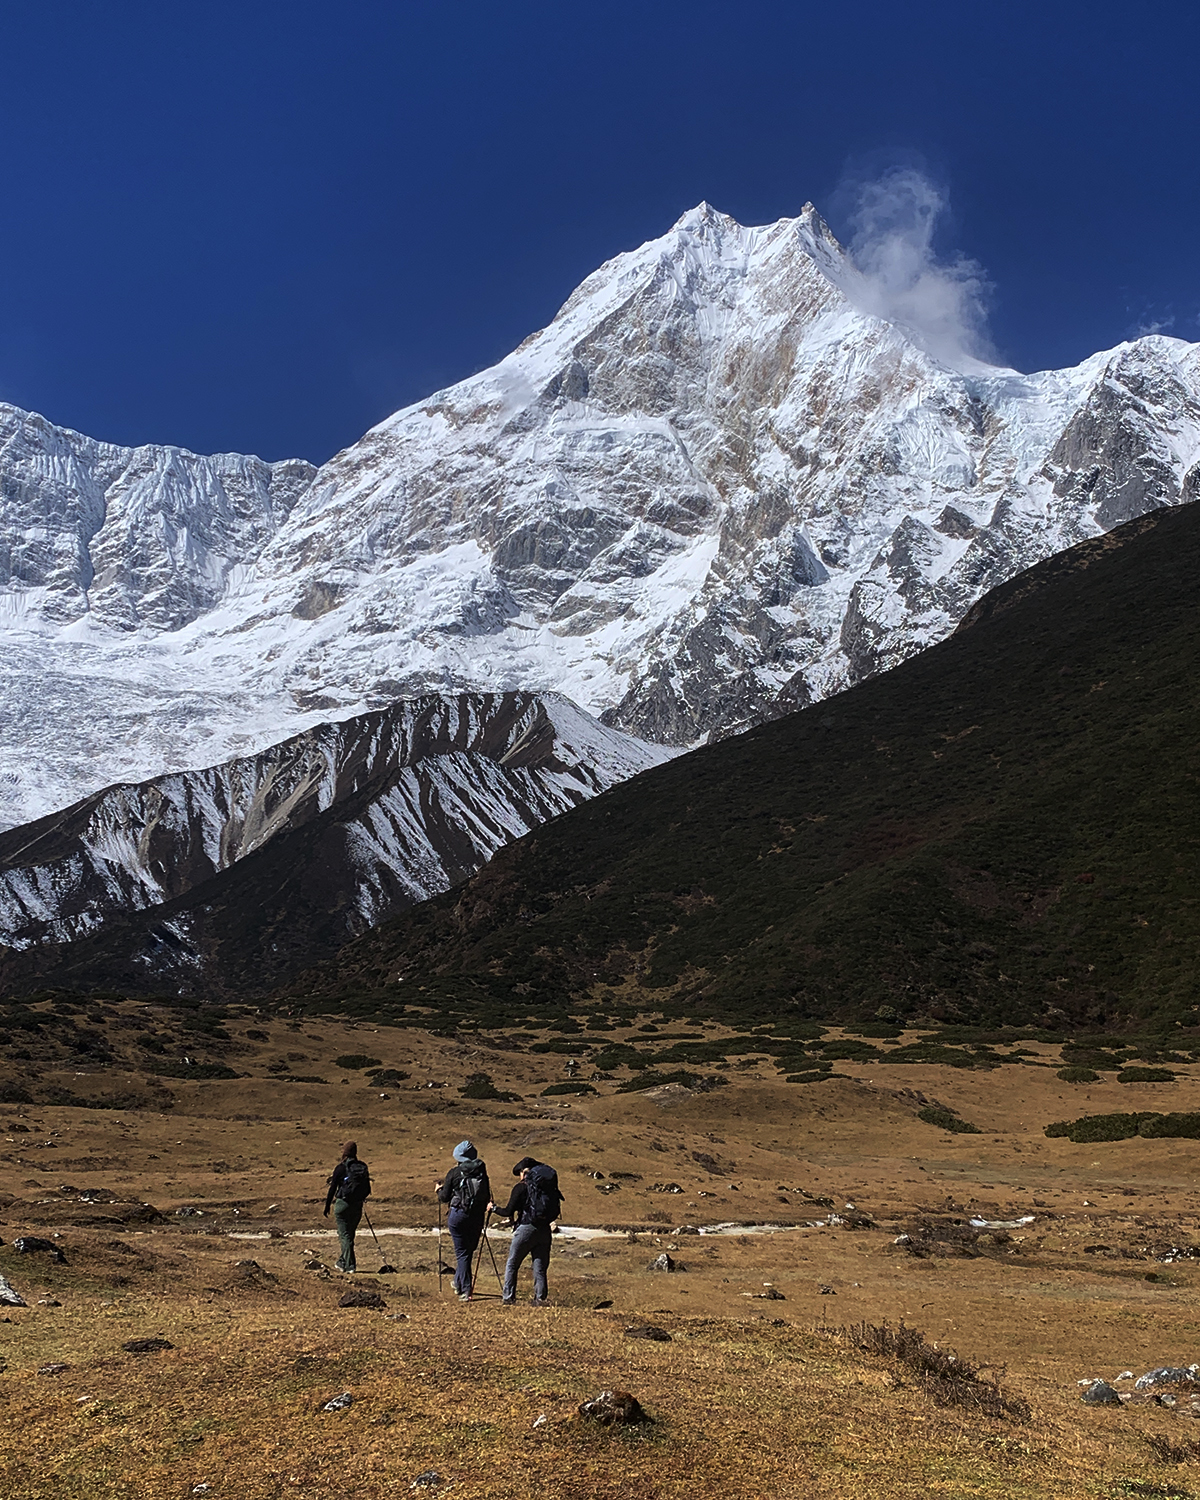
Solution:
(1002, 829)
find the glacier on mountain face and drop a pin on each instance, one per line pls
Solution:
(712, 490)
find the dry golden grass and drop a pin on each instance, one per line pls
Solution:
(750, 1398)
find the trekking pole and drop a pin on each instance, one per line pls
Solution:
(495, 1267)
(384, 1268)
(441, 1269)
(479, 1257)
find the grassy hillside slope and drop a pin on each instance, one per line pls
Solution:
(1003, 829)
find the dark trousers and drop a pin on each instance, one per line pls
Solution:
(465, 1230)
(346, 1216)
(533, 1240)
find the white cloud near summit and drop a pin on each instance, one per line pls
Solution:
(942, 301)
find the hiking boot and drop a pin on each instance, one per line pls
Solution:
(541, 1302)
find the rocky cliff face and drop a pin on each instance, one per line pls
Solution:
(339, 828)
(712, 490)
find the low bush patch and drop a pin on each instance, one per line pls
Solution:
(354, 1061)
(946, 1120)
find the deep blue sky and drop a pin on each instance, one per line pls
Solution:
(262, 226)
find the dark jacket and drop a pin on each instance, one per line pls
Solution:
(449, 1190)
(517, 1207)
(339, 1176)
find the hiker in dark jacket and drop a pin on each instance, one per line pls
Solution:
(534, 1203)
(469, 1193)
(349, 1189)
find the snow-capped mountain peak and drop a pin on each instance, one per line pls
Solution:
(715, 487)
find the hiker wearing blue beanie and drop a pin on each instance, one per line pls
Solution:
(467, 1190)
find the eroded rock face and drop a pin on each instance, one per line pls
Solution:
(711, 491)
(366, 817)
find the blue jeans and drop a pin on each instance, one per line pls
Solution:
(464, 1235)
(534, 1240)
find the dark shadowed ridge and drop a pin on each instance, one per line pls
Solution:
(1003, 829)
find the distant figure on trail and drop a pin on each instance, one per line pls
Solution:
(534, 1204)
(469, 1193)
(349, 1189)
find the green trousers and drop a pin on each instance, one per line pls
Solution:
(346, 1216)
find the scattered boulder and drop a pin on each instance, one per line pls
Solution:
(648, 1331)
(427, 1481)
(48, 1302)
(32, 1244)
(52, 1369)
(146, 1346)
(602, 1304)
(770, 1295)
(362, 1297)
(340, 1403)
(665, 1262)
(1167, 1375)
(826, 1291)
(1100, 1393)
(188, 1212)
(9, 1296)
(614, 1409)
(664, 1187)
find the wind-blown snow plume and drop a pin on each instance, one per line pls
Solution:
(901, 278)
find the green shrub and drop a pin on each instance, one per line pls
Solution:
(934, 1052)
(1174, 1126)
(1091, 1129)
(849, 1051)
(1145, 1075)
(559, 1088)
(352, 1061)
(810, 1077)
(1078, 1075)
(387, 1078)
(480, 1086)
(947, 1121)
(620, 1056)
(189, 1070)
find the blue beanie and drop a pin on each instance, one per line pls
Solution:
(465, 1151)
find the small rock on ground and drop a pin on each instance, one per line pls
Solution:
(362, 1298)
(427, 1481)
(9, 1296)
(340, 1403)
(665, 1262)
(32, 1244)
(147, 1346)
(648, 1331)
(1167, 1375)
(614, 1409)
(1100, 1393)
(54, 1369)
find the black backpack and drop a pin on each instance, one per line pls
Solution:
(355, 1186)
(542, 1197)
(468, 1195)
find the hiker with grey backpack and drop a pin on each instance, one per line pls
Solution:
(349, 1189)
(465, 1188)
(534, 1204)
